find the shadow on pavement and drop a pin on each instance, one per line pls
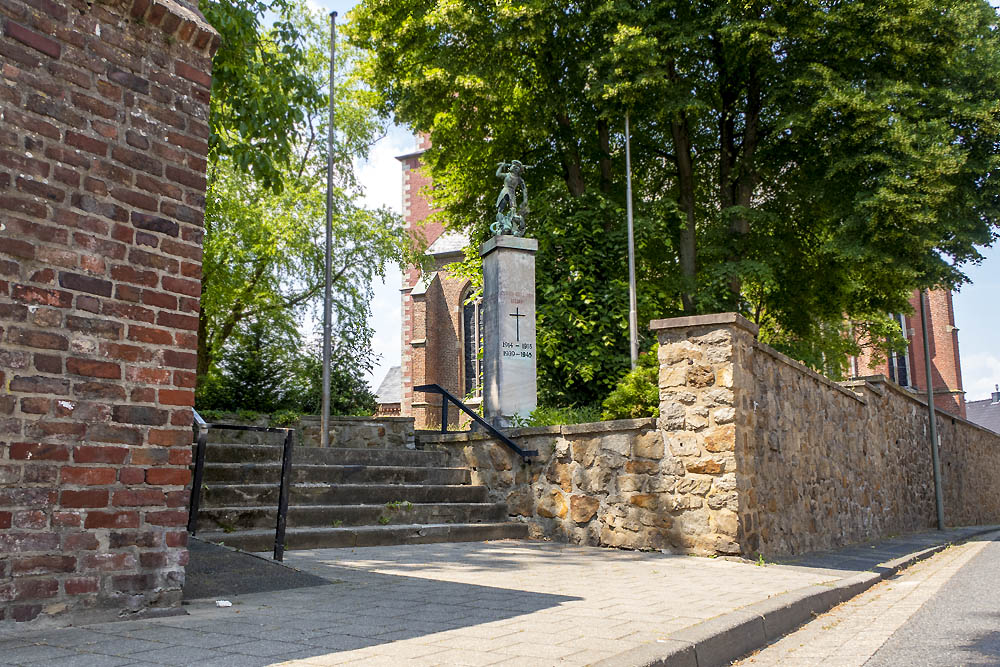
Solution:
(215, 571)
(867, 557)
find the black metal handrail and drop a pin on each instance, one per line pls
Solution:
(447, 397)
(201, 428)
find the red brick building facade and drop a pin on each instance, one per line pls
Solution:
(908, 369)
(438, 327)
(103, 142)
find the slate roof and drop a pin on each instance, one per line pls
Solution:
(986, 413)
(450, 242)
(391, 388)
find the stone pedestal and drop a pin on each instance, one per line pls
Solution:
(509, 383)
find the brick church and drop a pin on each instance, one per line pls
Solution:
(440, 329)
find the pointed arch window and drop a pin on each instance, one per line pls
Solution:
(472, 344)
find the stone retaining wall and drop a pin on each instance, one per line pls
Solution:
(817, 464)
(602, 484)
(753, 453)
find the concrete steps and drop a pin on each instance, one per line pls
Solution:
(370, 536)
(341, 497)
(309, 473)
(228, 519)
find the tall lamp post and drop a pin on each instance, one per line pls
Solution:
(328, 290)
(633, 325)
(931, 416)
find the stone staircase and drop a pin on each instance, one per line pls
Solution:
(341, 497)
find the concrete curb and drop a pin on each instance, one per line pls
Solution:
(720, 640)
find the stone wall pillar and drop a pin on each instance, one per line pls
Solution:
(702, 386)
(103, 142)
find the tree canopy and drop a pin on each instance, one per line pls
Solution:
(807, 164)
(263, 264)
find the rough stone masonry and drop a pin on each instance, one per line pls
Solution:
(103, 141)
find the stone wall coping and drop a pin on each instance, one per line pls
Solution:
(614, 425)
(315, 418)
(798, 365)
(437, 437)
(871, 383)
(887, 384)
(180, 20)
(704, 320)
(564, 429)
(507, 241)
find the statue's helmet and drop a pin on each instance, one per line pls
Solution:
(517, 163)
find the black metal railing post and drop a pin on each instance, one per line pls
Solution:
(447, 397)
(199, 472)
(286, 472)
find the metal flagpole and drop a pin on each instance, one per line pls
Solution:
(633, 327)
(935, 458)
(328, 291)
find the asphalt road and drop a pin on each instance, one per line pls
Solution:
(960, 625)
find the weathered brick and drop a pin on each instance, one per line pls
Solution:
(176, 397)
(87, 498)
(80, 476)
(39, 385)
(35, 588)
(85, 143)
(148, 375)
(125, 435)
(100, 390)
(139, 414)
(48, 363)
(89, 284)
(153, 223)
(138, 498)
(40, 339)
(47, 564)
(168, 517)
(81, 585)
(33, 187)
(91, 368)
(176, 321)
(133, 198)
(97, 519)
(174, 359)
(95, 327)
(94, 454)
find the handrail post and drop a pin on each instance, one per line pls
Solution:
(199, 473)
(444, 414)
(286, 470)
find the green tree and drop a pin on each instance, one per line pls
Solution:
(265, 221)
(801, 163)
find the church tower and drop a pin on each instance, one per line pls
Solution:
(440, 330)
(908, 368)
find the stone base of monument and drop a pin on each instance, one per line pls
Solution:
(509, 352)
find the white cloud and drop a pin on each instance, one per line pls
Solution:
(980, 373)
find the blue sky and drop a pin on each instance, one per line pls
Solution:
(977, 312)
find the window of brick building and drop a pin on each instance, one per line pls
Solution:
(899, 362)
(472, 345)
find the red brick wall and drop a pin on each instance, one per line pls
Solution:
(102, 177)
(945, 363)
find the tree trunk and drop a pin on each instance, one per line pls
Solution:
(685, 182)
(570, 156)
(604, 160)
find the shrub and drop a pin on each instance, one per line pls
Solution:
(638, 393)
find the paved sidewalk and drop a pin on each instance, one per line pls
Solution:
(852, 633)
(509, 602)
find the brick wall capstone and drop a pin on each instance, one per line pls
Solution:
(103, 142)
